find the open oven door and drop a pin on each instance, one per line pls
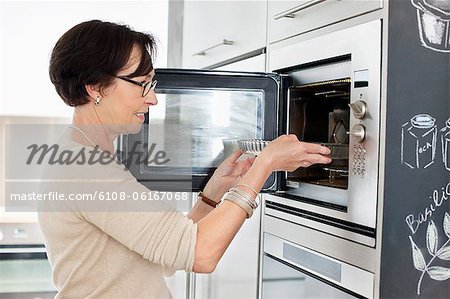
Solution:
(199, 116)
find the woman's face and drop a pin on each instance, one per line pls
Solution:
(124, 104)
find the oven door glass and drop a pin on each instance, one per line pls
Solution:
(282, 281)
(212, 110)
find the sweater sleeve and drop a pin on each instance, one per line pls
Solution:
(167, 238)
(153, 229)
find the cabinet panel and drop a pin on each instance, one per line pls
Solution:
(208, 23)
(253, 64)
(289, 18)
(236, 275)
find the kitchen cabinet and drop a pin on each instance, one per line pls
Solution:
(253, 64)
(289, 18)
(236, 275)
(215, 31)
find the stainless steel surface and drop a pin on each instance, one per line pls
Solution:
(20, 234)
(224, 42)
(23, 250)
(24, 269)
(281, 280)
(359, 109)
(362, 44)
(329, 229)
(359, 132)
(350, 252)
(290, 13)
(330, 269)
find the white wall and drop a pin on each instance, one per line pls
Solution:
(30, 29)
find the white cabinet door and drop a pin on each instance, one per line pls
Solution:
(289, 18)
(208, 23)
(236, 275)
(253, 64)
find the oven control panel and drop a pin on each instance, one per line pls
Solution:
(359, 160)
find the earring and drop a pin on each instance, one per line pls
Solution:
(97, 101)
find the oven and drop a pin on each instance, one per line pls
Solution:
(334, 100)
(324, 89)
(25, 271)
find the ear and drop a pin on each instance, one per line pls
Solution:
(93, 91)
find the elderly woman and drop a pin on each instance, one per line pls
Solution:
(105, 71)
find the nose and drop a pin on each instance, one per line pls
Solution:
(150, 98)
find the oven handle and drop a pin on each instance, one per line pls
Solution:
(290, 13)
(23, 250)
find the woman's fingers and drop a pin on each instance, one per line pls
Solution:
(234, 156)
(243, 166)
(318, 159)
(314, 148)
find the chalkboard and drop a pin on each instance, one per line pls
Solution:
(415, 260)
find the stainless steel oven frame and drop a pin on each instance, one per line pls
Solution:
(362, 44)
(23, 259)
(341, 276)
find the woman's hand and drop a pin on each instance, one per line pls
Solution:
(227, 175)
(287, 153)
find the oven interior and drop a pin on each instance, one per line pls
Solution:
(319, 113)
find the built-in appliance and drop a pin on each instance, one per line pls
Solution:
(324, 90)
(24, 269)
(334, 100)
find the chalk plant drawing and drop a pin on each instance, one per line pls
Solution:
(433, 17)
(442, 253)
(418, 141)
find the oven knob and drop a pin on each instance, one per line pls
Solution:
(359, 132)
(359, 109)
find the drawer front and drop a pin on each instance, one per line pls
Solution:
(289, 18)
(208, 23)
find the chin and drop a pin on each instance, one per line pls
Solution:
(133, 128)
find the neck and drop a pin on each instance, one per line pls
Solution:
(89, 121)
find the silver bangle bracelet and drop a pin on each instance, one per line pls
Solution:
(247, 196)
(251, 203)
(247, 186)
(236, 199)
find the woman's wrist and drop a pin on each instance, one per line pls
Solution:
(263, 163)
(212, 191)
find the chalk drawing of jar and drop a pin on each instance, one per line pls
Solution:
(445, 142)
(433, 18)
(418, 146)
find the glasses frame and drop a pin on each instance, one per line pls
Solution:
(143, 85)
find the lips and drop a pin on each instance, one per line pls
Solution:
(140, 115)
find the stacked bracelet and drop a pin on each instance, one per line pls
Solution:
(246, 197)
(248, 186)
(242, 199)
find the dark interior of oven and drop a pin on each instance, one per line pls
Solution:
(319, 113)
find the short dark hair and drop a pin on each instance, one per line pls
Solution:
(93, 52)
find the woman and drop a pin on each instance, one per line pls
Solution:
(105, 71)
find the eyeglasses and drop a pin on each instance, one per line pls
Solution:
(147, 86)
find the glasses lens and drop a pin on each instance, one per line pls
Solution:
(150, 86)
